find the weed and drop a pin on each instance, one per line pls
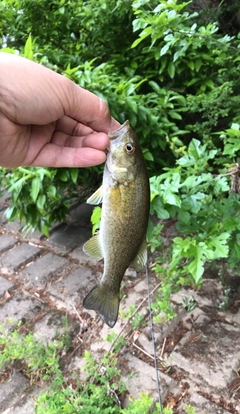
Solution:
(189, 409)
(137, 319)
(100, 391)
(119, 343)
(225, 303)
(189, 303)
(39, 363)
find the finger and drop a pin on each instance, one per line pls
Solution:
(72, 127)
(89, 109)
(97, 140)
(55, 156)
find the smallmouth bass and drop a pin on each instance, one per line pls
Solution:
(121, 240)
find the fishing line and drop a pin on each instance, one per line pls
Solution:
(153, 339)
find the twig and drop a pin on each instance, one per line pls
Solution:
(142, 350)
(162, 350)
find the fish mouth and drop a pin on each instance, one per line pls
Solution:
(118, 132)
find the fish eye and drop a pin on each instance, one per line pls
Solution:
(129, 148)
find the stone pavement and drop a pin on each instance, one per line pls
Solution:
(44, 279)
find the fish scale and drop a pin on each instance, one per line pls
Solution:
(121, 240)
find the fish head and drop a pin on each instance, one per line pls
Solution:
(124, 151)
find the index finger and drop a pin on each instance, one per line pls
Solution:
(89, 109)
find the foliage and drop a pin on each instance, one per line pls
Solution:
(41, 362)
(39, 195)
(166, 76)
(100, 391)
(206, 211)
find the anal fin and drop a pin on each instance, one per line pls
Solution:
(93, 248)
(140, 260)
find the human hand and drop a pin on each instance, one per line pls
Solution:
(47, 120)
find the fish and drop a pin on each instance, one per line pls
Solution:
(121, 239)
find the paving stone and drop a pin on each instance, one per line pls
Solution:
(11, 390)
(83, 258)
(101, 343)
(144, 379)
(3, 219)
(76, 364)
(7, 242)
(5, 198)
(13, 226)
(34, 236)
(136, 294)
(68, 237)
(26, 404)
(200, 404)
(82, 214)
(21, 306)
(73, 288)
(5, 285)
(19, 256)
(145, 343)
(40, 272)
(209, 296)
(212, 347)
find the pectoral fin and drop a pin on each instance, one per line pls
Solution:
(140, 260)
(93, 248)
(97, 197)
(120, 174)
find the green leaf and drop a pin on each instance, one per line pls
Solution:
(195, 149)
(209, 83)
(155, 87)
(28, 48)
(74, 174)
(41, 201)
(196, 267)
(175, 115)
(235, 126)
(35, 188)
(157, 206)
(11, 213)
(191, 65)
(171, 70)
(164, 49)
(96, 218)
(186, 161)
(63, 175)
(147, 154)
(193, 202)
(52, 191)
(198, 64)
(184, 217)
(170, 198)
(219, 245)
(145, 33)
(130, 101)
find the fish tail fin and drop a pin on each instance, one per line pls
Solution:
(103, 302)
